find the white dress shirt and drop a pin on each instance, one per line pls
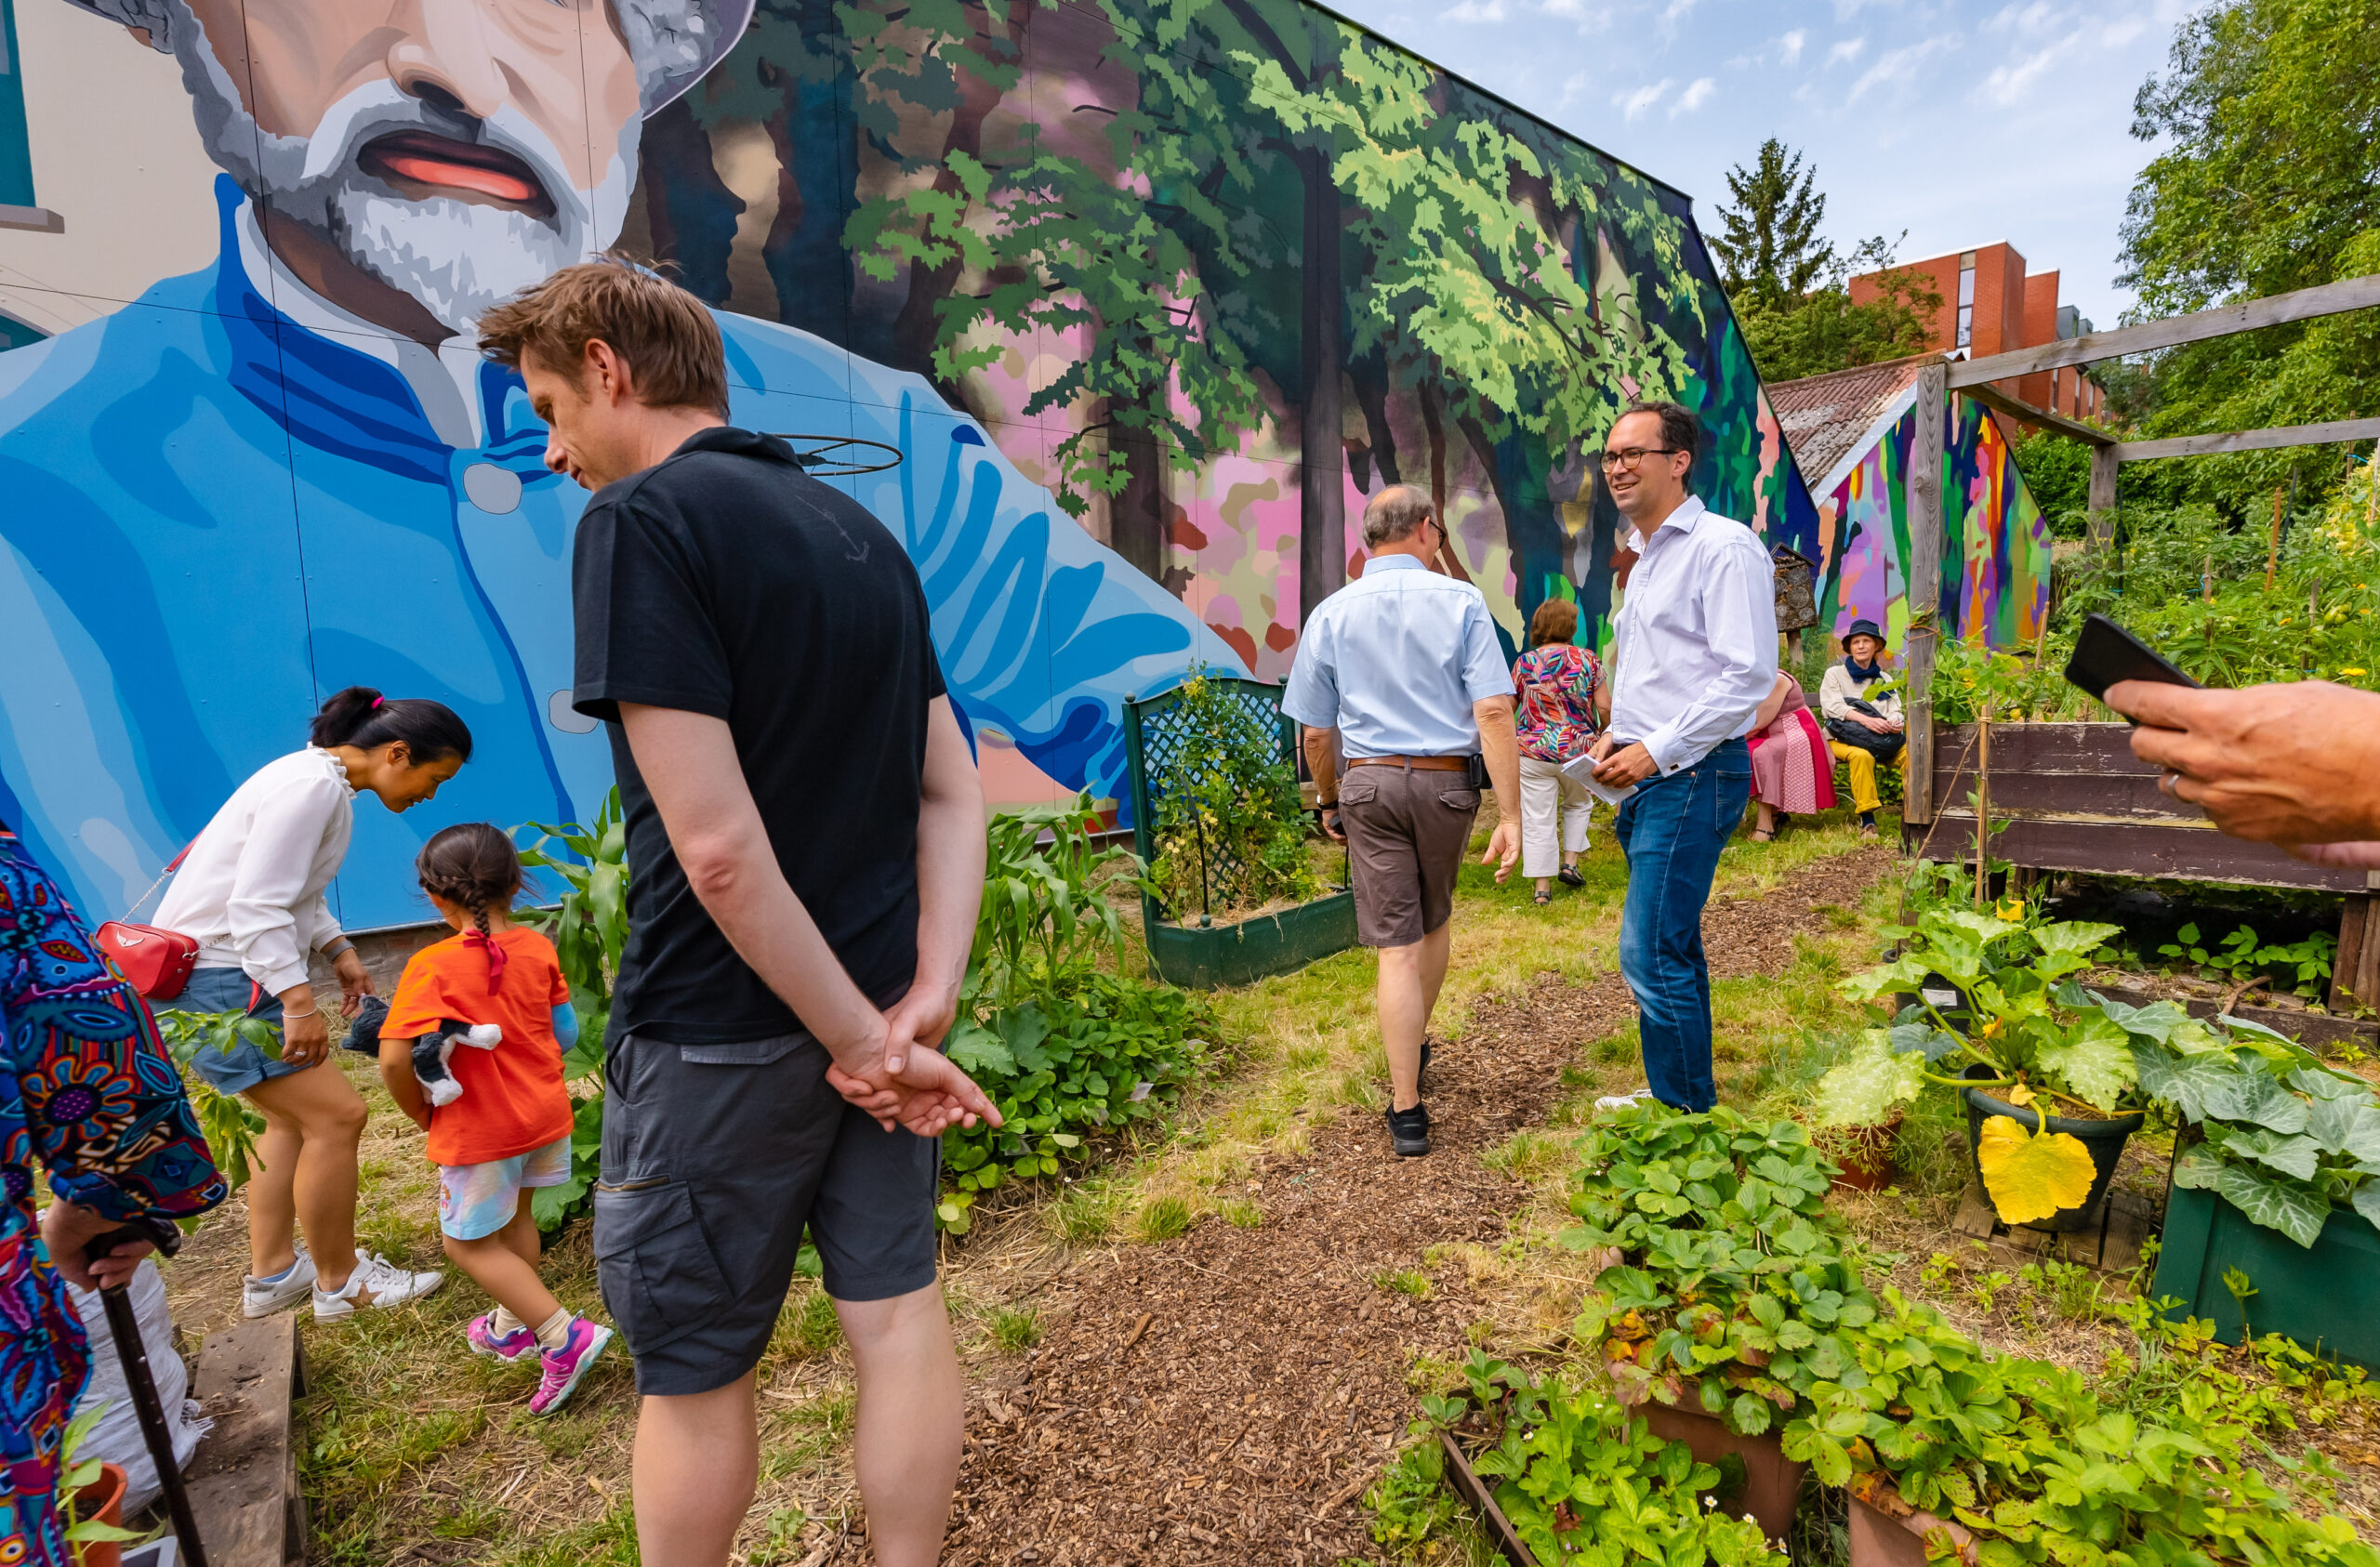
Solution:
(1697, 636)
(250, 891)
(1394, 661)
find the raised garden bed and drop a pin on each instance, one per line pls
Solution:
(1190, 944)
(2323, 1295)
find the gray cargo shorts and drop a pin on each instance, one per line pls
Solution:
(716, 1158)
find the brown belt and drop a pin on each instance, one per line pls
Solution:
(1419, 764)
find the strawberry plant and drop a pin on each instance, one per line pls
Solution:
(2241, 957)
(1582, 1481)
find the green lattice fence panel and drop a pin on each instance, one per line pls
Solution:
(1204, 955)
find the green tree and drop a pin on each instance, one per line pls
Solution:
(1794, 335)
(1768, 245)
(2268, 113)
(2057, 471)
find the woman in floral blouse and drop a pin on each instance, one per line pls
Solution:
(87, 1089)
(1556, 682)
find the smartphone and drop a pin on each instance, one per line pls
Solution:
(2105, 653)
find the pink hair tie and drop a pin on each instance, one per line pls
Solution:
(375, 704)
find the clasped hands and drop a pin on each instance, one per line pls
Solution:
(901, 1077)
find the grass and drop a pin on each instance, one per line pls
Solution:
(411, 1440)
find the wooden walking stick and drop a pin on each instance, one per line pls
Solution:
(125, 1328)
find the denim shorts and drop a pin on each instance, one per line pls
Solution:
(230, 990)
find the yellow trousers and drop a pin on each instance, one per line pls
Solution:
(1863, 774)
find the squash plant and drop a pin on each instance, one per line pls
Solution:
(2282, 1137)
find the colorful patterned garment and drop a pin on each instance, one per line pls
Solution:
(86, 1088)
(1557, 708)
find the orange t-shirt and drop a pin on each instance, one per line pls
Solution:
(513, 1100)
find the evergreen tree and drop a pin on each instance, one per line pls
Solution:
(1769, 247)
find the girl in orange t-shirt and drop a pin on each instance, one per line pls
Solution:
(508, 1130)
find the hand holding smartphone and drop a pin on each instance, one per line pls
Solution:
(2106, 654)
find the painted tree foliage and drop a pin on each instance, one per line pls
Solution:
(1172, 234)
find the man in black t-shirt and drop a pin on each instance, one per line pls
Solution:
(805, 845)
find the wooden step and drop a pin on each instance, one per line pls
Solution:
(244, 1480)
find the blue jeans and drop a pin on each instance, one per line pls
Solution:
(230, 990)
(1672, 830)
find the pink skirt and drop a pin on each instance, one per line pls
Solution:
(1791, 769)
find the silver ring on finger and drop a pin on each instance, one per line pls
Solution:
(2169, 781)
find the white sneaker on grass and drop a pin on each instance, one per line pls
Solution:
(1622, 1102)
(262, 1297)
(376, 1282)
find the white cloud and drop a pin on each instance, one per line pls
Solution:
(1789, 48)
(1475, 11)
(1896, 66)
(1632, 106)
(1591, 18)
(2038, 16)
(2008, 84)
(1846, 51)
(1674, 13)
(1697, 93)
(1845, 9)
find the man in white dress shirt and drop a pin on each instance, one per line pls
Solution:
(1404, 666)
(1697, 655)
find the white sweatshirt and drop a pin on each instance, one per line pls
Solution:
(250, 892)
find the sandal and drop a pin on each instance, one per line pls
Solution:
(1545, 898)
(1568, 877)
(1763, 835)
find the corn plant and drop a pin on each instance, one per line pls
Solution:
(1045, 912)
(588, 927)
(230, 1126)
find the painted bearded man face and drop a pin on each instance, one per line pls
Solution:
(456, 150)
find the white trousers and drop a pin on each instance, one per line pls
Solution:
(1548, 799)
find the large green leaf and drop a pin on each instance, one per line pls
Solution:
(2182, 1081)
(977, 1052)
(1023, 1030)
(2255, 1097)
(1923, 1039)
(2075, 938)
(2094, 1062)
(2198, 1168)
(2291, 1155)
(2157, 1020)
(2367, 1202)
(2322, 1084)
(1864, 1086)
(2276, 1202)
(2345, 1126)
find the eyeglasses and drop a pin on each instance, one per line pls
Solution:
(1629, 457)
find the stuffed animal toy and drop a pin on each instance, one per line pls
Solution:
(432, 1052)
(364, 1035)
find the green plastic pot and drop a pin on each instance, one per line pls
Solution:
(2104, 1139)
(2321, 1295)
(1214, 957)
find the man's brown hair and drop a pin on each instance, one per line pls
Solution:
(1556, 621)
(664, 334)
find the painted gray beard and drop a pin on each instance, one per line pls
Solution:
(458, 258)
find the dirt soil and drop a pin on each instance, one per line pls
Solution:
(1228, 1396)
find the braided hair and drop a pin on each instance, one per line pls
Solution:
(473, 864)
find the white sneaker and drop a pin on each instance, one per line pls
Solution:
(376, 1282)
(259, 1298)
(1622, 1102)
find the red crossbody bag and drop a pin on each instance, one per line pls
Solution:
(154, 961)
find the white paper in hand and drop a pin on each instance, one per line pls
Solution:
(1582, 770)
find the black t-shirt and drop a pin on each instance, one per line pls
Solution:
(725, 581)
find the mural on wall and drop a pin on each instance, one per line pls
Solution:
(1148, 294)
(1996, 546)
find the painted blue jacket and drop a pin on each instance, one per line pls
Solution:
(212, 516)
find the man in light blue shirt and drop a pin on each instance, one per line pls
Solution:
(1400, 674)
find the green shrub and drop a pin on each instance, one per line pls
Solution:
(1229, 824)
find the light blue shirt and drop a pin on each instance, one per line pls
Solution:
(1394, 661)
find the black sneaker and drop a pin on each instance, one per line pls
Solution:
(1408, 1131)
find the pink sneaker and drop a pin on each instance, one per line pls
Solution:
(521, 1344)
(564, 1366)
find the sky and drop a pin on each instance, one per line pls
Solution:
(1962, 125)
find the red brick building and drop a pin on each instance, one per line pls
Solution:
(1991, 305)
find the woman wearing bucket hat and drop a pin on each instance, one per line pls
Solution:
(1863, 729)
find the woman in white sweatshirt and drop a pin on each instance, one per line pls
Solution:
(250, 892)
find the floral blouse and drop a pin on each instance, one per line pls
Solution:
(87, 1089)
(1556, 685)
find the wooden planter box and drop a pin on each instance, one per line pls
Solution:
(2323, 1298)
(2075, 798)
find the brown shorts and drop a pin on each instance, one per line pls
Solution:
(1406, 834)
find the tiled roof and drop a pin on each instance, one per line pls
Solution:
(1823, 415)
